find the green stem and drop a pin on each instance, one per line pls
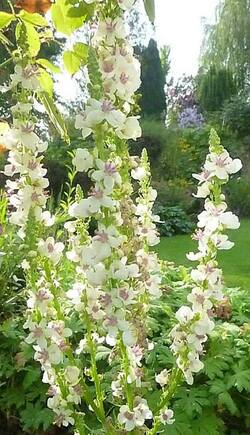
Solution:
(94, 371)
(6, 62)
(174, 382)
(128, 387)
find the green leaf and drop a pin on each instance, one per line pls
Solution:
(193, 401)
(31, 377)
(34, 19)
(4, 40)
(150, 9)
(215, 367)
(226, 399)
(71, 62)
(5, 19)
(35, 417)
(64, 21)
(48, 65)
(241, 379)
(102, 353)
(81, 50)
(27, 36)
(46, 82)
(54, 115)
(207, 424)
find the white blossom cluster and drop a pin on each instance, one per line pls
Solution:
(195, 323)
(117, 276)
(49, 337)
(27, 193)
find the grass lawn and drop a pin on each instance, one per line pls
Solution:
(235, 263)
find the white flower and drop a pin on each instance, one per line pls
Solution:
(72, 375)
(222, 165)
(21, 135)
(51, 354)
(107, 174)
(37, 332)
(82, 160)
(75, 294)
(126, 4)
(215, 215)
(88, 206)
(141, 407)
(130, 129)
(63, 417)
(184, 314)
(166, 416)
(97, 274)
(27, 76)
(127, 418)
(49, 248)
(97, 112)
(110, 30)
(95, 253)
(139, 173)
(162, 378)
(200, 299)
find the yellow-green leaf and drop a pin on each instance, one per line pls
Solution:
(27, 37)
(81, 50)
(46, 82)
(35, 19)
(45, 63)
(5, 19)
(63, 22)
(150, 9)
(54, 115)
(71, 61)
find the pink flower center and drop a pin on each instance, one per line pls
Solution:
(124, 78)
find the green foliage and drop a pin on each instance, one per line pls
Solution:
(54, 115)
(174, 221)
(150, 9)
(153, 100)
(26, 35)
(74, 59)
(23, 394)
(238, 194)
(227, 42)
(67, 18)
(216, 403)
(236, 114)
(5, 19)
(214, 88)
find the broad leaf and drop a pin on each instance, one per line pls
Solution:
(150, 9)
(46, 82)
(26, 35)
(34, 19)
(5, 19)
(81, 50)
(71, 62)
(63, 21)
(48, 65)
(54, 115)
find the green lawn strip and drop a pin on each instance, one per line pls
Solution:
(235, 263)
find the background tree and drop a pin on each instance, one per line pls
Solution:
(214, 88)
(165, 59)
(153, 100)
(226, 44)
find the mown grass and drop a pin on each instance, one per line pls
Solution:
(235, 263)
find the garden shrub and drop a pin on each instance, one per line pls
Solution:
(239, 196)
(174, 221)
